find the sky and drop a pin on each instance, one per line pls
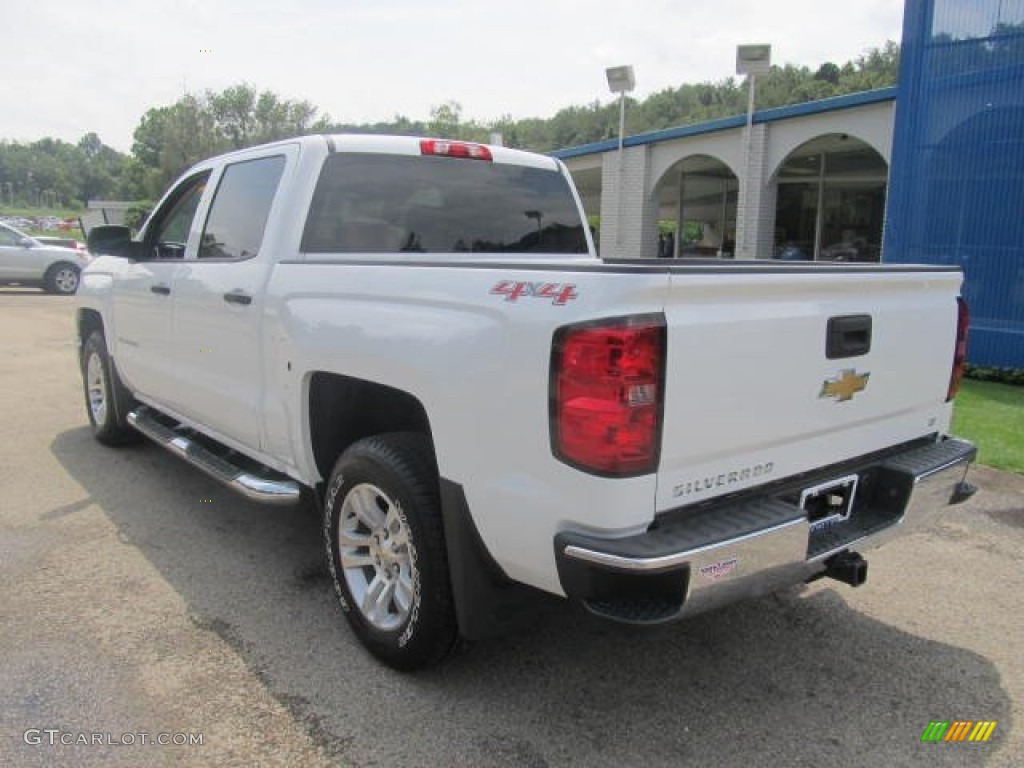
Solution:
(71, 67)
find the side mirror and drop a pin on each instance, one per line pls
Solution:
(26, 242)
(109, 239)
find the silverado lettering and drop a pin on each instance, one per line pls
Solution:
(722, 479)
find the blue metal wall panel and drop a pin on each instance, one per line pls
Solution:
(956, 193)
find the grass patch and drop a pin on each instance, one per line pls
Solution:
(992, 416)
(40, 213)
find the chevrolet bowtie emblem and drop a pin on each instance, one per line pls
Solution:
(844, 386)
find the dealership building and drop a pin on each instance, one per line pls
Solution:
(930, 171)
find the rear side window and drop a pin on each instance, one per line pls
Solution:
(241, 206)
(375, 203)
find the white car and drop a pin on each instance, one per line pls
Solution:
(26, 261)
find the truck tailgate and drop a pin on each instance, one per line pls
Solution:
(754, 391)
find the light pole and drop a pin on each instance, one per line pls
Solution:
(751, 60)
(621, 80)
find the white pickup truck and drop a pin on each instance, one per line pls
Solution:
(418, 335)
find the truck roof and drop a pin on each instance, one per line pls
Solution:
(412, 145)
(394, 145)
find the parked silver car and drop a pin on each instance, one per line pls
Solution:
(26, 261)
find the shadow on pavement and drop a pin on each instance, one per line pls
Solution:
(796, 678)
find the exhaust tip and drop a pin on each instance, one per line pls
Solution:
(847, 567)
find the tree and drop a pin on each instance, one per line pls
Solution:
(175, 137)
(50, 172)
(170, 139)
(234, 110)
(828, 72)
(507, 127)
(98, 167)
(445, 120)
(139, 181)
(90, 145)
(878, 68)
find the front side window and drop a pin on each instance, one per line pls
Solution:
(377, 203)
(174, 221)
(240, 208)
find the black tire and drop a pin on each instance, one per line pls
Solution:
(394, 585)
(107, 400)
(62, 278)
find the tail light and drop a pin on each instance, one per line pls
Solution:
(960, 351)
(607, 395)
(462, 149)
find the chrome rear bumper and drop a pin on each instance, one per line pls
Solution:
(741, 549)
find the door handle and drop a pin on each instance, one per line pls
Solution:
(160, 288)
(238, 297)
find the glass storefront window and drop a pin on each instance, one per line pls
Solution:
(831, 202)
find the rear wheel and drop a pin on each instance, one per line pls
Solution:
(62, 278)
(106, 399)
(386, 550)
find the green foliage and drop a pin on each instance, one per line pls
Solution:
(32, 212)
(693, 231)
(1014, 376)
(170, 139)
(992, 416)
(55, 174)
(139, 181)
(445, 120)
(828, 72)
(135, 216)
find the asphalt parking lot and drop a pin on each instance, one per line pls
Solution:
(139, 598)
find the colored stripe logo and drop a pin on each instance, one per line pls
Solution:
(958, 730)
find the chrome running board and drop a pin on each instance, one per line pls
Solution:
(268, 488)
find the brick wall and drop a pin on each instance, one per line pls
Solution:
(629, 224)
(755, 207)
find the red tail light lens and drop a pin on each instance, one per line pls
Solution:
(607, 382)
(461, 149)
(963, 317)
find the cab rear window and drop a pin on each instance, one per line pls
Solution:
(376, 203)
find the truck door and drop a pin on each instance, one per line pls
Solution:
(142, 294)
(17, 260)
(218, 302)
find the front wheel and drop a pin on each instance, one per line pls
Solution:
(386, 550)
(106, 398)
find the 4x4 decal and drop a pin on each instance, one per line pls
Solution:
(559, 293)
